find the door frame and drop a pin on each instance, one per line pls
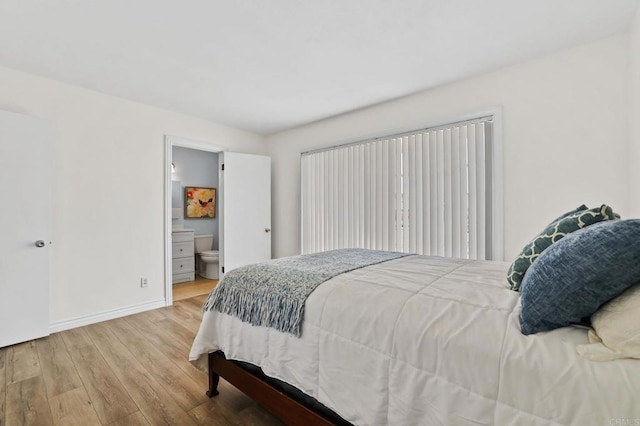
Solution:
(169, 142)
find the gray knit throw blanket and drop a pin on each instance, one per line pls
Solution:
(273, 293)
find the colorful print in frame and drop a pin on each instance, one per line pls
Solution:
(200, 202)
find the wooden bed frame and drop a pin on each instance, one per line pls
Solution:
(258, 386)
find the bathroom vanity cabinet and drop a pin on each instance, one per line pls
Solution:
(182, 250)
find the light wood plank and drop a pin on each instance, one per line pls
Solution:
(75, 338)
(181, 314)
(199, 300)
(180, 333)
(256, 415)
(232, 407)
(212, 413)
(224, 407)
(154, 401)
(59, 373)
(166, 344)
(135, 419)
(186, 391)
(232, 399)
(22, 362)
(65, 378)
(73, 408)
(110, 400)
(27, 403)
(190, 289)
(194, 309)
(152, 316)
(3, 384)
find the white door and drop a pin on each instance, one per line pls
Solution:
(25, 195)
(245, 203)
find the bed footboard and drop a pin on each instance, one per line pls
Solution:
(257, 387)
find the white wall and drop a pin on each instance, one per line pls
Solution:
(565, 137)
(634, 116)
(108, 190)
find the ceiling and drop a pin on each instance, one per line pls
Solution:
(267, 66)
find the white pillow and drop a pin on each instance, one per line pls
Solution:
(616, 329)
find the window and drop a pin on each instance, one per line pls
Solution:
(432, 191)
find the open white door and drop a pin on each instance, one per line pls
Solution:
(25, 215)
(245, 206)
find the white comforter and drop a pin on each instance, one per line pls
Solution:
(429, 341)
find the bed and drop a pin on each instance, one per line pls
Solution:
(420, 340)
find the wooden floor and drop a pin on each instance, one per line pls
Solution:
(190, 289)
(128, 371)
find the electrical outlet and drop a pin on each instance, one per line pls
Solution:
(144, 283)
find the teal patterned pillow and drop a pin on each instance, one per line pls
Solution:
(576, 210)
(555, 231)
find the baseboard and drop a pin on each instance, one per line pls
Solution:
(105, 316)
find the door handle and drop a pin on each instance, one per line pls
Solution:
(39, 243)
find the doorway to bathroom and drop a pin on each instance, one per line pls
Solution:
(194, 221)
(193, 217)
(238, 205)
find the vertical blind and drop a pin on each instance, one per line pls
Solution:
(428, 192)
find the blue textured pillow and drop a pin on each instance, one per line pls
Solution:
(573, 277)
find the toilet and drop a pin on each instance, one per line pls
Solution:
(208, 260)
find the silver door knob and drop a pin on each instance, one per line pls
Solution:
(267, 230)
(39, 243)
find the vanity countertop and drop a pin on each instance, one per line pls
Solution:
(182, 230)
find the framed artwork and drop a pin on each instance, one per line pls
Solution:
(199, 202)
